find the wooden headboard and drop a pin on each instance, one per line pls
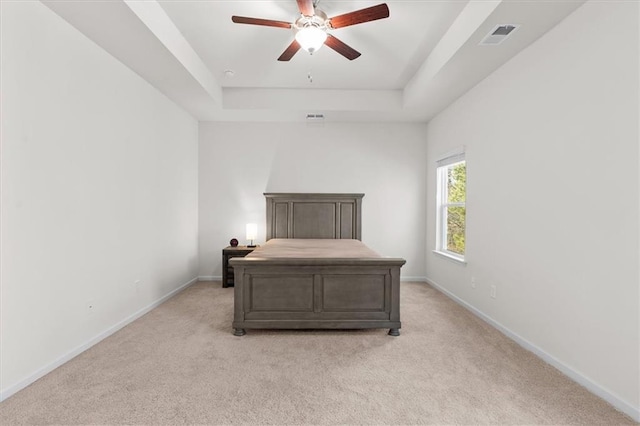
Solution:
(303, 215)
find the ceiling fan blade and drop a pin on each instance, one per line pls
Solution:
(359, 16)
(341, 48)
(258, 21)
(290, 51)
(306, 7)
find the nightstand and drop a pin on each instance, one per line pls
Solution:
(228, 253)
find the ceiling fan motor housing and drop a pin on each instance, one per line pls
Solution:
(311, 31)
(318, 20)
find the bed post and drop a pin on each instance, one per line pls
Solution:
(238, 309)
(394, 315)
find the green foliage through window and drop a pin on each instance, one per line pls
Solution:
(456, 191)
(457, 183)
(452, 194)
(455, 229)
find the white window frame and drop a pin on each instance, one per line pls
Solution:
(442, 166)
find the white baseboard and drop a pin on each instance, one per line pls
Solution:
(210, 278)
(6, 393)
(607, 395)
(413, 279)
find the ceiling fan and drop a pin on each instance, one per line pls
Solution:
(312, 26)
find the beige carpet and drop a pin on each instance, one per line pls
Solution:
(180, 364)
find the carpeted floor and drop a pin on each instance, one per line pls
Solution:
(180, 364)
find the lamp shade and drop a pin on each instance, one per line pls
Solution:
(311, 38)
(252, 231)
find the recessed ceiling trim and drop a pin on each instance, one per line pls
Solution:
(156, 19)
(462, 29)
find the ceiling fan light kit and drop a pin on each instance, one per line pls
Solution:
(311, 38)
(312, 26)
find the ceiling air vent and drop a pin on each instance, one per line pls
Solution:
(499, 34)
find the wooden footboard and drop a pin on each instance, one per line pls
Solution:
(317, 294)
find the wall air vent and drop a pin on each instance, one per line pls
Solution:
(499, 34)
(315, 120)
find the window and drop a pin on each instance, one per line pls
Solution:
(451, 204)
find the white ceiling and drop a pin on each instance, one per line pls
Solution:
(413, 64)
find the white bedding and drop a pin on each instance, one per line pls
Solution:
(302, 248)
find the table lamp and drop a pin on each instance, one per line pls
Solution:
(252, 233)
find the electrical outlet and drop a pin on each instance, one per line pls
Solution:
(492, 292)
(473, 282)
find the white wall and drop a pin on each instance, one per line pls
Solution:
(386, 162)
(552, 158)
(99, 189)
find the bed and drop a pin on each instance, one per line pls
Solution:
(314, 272)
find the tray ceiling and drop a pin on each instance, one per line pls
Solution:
(413, 64)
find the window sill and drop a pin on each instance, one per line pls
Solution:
(450, 257)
